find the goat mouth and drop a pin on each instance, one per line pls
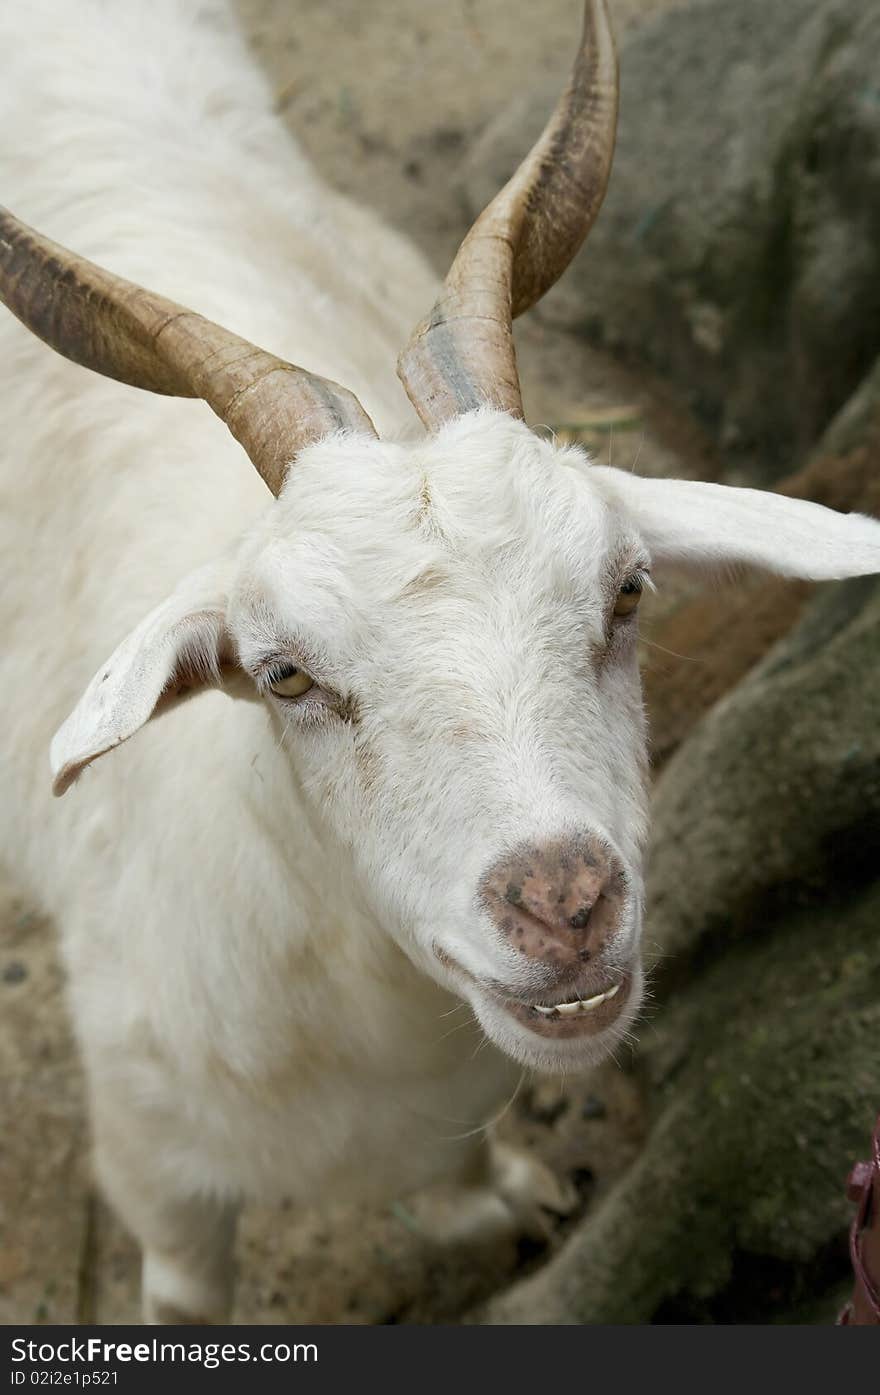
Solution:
(575, 1017)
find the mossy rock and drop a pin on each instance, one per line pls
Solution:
(774, 801)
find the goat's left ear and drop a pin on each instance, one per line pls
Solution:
(180, 644)
(716, 527)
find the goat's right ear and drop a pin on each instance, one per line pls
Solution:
(699, 527)
(180, 644)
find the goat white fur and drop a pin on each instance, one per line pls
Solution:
(267, 908)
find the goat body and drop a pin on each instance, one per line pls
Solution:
(269, 906)
(227, 982)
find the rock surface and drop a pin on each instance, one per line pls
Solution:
(736, 251)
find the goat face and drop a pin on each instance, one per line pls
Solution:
(473, 731)
(445, 634)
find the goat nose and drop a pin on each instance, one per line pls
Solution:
(557, 902)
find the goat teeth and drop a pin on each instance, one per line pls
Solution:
(587, 1004)
(568, 1009)
(581, 1005)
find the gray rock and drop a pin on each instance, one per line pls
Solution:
(738, 248)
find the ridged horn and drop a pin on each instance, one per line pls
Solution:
(462, 356)
(116, 328)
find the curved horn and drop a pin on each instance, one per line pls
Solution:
(462, 356)
(114, 327)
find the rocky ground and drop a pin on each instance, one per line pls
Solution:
(710, 1168)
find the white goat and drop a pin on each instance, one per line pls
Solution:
(420, 776)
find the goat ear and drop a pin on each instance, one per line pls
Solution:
(708, 527)
(180, 644)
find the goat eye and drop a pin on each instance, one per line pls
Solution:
(290, 682)
(628, 597)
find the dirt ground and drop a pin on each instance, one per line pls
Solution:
(387, 98)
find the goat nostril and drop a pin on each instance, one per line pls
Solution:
(580, 918)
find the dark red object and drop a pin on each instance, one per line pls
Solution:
(863, 1187)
